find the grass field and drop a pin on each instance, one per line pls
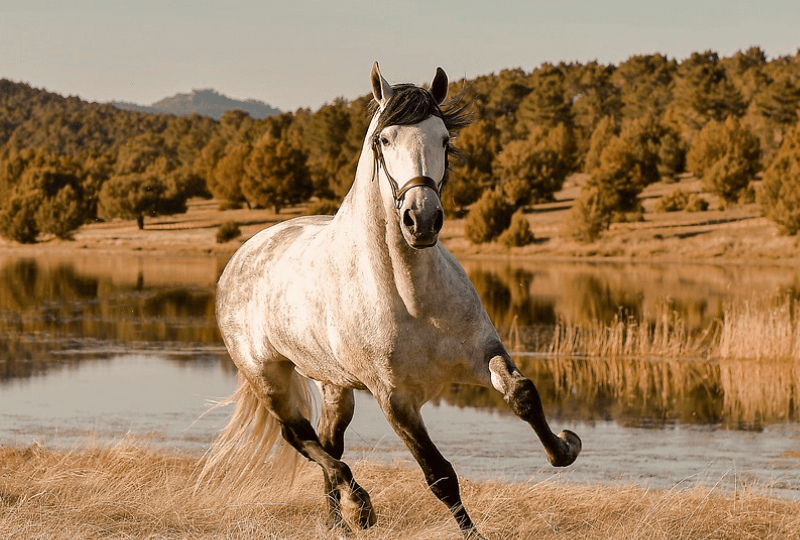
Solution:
(130, 491)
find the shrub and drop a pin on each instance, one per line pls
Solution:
(518, 233)
(228, 231)
(673, 201)
(678, 200)
(322, 207)
(487, 218)
(696, 203)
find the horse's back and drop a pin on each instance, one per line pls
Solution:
(250, 286)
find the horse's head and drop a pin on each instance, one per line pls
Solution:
(411, 143)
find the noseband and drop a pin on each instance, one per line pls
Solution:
(418, 181)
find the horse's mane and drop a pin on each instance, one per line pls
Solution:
(412, 104)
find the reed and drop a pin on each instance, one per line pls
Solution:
(627, 337)
(761, 328)
(128, 490)
(742, 370)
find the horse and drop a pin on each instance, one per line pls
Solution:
(367, 299)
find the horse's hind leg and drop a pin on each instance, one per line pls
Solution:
(272, 384)
(338, 405)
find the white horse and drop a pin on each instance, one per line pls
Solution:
(369, 300)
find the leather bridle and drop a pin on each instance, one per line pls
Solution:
(418, 181)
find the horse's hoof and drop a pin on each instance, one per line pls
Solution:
(570, 448)
(359, 506)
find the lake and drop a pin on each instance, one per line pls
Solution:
(93, 347)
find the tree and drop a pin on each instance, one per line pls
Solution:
(276, 175)
(704, 92)
(725, 155)
(605, 130)
(478, 145)
(18, 217)
(534, 169)
(548, 103)
(779, 102)
(136, 196)
(628, 163)
(225, 183)
(61, 214)
(594, 97)
(645, 84)
(780, 189)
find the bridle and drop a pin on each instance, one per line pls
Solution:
(418, 181)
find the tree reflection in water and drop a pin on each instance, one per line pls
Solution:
(94, 306)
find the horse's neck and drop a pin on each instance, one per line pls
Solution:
(370, 229)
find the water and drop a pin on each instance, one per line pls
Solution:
(95, 349)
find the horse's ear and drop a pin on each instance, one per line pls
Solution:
(381, 89)
(439, 86)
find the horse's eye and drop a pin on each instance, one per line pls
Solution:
(384, 141)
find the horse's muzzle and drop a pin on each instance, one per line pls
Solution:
(421, 219)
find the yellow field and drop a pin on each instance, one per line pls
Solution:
(130, 491)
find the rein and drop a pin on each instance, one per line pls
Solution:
(418, 181)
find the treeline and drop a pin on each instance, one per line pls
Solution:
(64, 162)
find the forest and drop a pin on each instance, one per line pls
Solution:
(730, 121)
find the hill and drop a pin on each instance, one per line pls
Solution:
(205, 102)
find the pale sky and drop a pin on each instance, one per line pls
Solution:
(305, 53)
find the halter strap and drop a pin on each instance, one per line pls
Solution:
(418, 181)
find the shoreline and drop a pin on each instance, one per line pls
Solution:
(737, 236)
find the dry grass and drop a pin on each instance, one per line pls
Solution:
(131, 491)
(761, 328)
(627, 337)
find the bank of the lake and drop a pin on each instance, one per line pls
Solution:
(735, 234)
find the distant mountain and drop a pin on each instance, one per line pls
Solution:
(203, 102)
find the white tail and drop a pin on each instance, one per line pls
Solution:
(252, 443)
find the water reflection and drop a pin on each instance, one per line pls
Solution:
(533, 293)
(48, 306)
(51, 307)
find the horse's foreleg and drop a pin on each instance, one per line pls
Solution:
(439, 473)
(338, 405)
(523, 398)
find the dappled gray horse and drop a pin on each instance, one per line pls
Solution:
(367, 299)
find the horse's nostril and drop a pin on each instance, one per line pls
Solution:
(438, 223)
(408, 219)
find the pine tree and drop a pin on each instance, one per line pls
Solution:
(779, 194)
(725, 155)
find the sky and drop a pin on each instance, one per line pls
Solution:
(305, 53)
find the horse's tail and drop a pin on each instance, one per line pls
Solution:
(251, 444)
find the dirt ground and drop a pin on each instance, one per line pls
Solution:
(736, 235)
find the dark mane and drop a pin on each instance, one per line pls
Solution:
(411, 104)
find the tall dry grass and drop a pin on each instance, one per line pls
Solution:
(131, 491)
(628, 337)
(750, 356)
